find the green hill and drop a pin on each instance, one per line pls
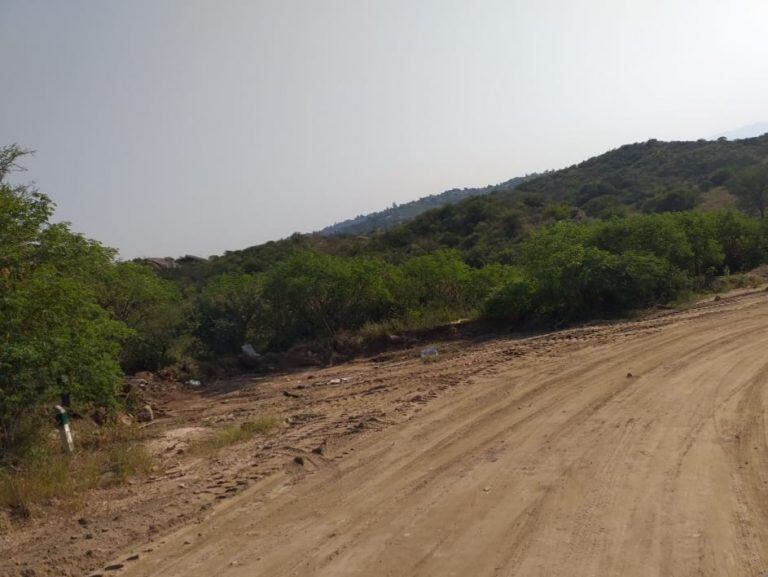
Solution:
(399, 214)
(642, 176)
(647, 177)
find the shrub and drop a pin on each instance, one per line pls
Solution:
(151, 307)
(313, 295)
(232, 312)
(514, 302)
(441, 280)
(54, 336)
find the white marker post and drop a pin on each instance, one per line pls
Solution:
(66, 433)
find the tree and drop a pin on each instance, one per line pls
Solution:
(751, 186)
(314, 295)
(674, 200)
(232, 313)
(151, 307)
(437, 281)
(54, 336)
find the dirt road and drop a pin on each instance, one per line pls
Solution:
(636, 449)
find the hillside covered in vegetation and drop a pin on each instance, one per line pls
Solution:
(402, 213)
(643, 178)
(653, 176)
(639, 226)
(640, 176)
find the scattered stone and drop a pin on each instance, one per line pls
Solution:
(134, 557)
(299, 460)
(100, 416)
(83, 521)
(160, 263)
(123, 419)
(89, 535)
(146, 414)
(291, 395)
(629, 375)
(114, 567)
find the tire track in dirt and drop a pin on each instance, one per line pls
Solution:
(552, 463)
(534, 456)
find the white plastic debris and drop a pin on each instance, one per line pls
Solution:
(249, 351)
(193, 383)
(429, 354)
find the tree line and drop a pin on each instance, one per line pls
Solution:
(73, 318)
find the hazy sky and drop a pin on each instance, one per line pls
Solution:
(169, 127)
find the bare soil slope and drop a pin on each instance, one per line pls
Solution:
(629, 449)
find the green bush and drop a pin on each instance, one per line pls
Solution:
(151, 307)
(516, 302)
(54, 336)
(441, 280)
(232, 312)
(314, 295)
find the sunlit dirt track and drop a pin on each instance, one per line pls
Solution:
(633, 449)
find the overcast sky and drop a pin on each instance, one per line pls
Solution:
(168, 127)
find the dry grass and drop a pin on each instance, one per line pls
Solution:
(34, 485)
(717, 199)
(47, 477)
(737, 281)
(232, 435)
(414, 321)
(94, 437)
(260, 425)
(124, 462)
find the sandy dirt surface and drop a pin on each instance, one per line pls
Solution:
(626, 449)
